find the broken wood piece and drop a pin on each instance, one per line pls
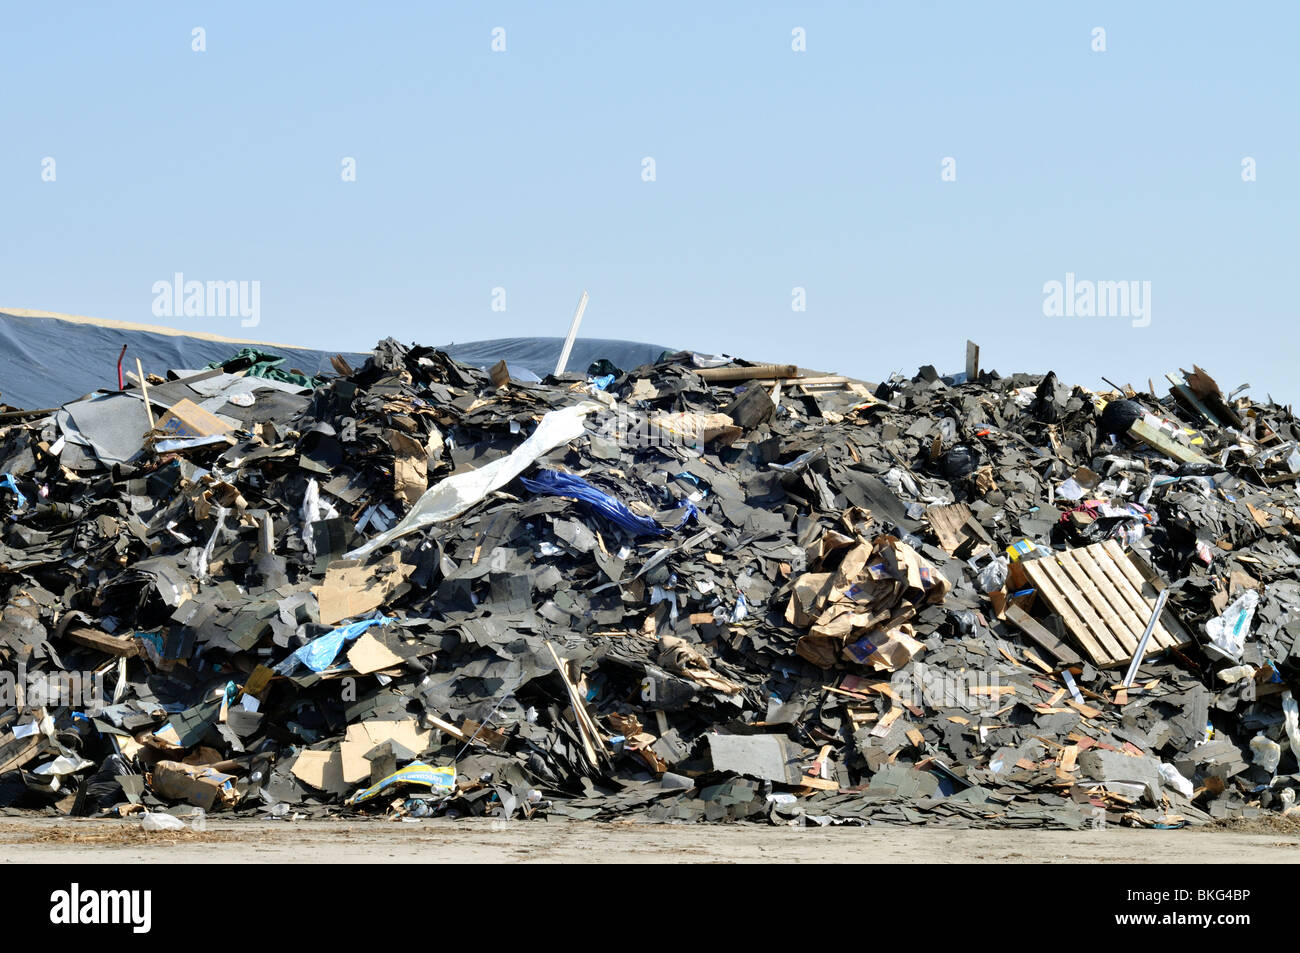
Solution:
(949, 525)
(144, 390)
(118, 645)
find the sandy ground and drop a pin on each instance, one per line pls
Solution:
(63, 841)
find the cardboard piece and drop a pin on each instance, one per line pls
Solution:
(200, 785)
(499, 373)
(370, 654)
(410, 466)
(362, 737)
(352, 589)
(860, 612)
(322, 770)
(697, 429)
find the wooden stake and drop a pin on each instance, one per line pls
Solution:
(586, 727)
(144, 389)
(573, 333)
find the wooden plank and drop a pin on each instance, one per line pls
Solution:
(1085, 621)
(1173, 632)
(1072, 562)
(1027, 624)
(972, 360)
(450, 729)
(19, 751)
(1056, 600)
(830, 380)
(1037, 662)
(1104, 600)
(489, 736)
(1050, 591)
(586, 727)
(886, 722)
(818, 784)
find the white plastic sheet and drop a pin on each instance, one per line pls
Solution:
(454, 495)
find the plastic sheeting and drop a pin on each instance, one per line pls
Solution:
(1291, 719)
(457, 493)
(540, 354)
(46, 361)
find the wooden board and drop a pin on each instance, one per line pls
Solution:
(1167, 445)
(1104, 601)
(948, 523)
(1022, 620)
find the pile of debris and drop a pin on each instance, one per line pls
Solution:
(678, 592)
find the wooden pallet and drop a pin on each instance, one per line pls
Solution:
(1104, 601)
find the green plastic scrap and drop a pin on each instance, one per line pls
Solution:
(266, 365)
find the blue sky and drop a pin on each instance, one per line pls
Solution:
(774, 170)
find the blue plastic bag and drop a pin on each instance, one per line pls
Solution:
(7, 481)
(320, 652)
(555, 483)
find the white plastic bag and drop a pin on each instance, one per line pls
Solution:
(1171, 778)
(1266, 752)
(1228, 632)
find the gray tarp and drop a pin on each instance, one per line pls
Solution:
(46, 362)
(540, 354)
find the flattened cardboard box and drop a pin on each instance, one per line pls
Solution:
(188, 419)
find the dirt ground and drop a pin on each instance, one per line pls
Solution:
(66, 841)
